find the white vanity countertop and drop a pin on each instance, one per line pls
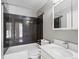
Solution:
(54, 53)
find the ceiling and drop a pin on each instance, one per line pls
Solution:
(34, 5)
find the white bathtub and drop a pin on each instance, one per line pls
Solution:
(23, 52)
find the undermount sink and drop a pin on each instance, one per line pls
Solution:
(61, 52)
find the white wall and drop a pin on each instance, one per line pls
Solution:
(1, 32)
(48, 33)
(21, 11)
(75, 19)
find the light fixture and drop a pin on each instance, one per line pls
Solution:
(27, 22)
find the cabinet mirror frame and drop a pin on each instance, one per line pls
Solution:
(53, 11)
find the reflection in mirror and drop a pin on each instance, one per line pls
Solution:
(18, 32)
(62, 14)
(8, 29)
(57, 22)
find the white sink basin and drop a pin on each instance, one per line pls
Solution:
(61, 52)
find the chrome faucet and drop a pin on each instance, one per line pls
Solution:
(66, 44)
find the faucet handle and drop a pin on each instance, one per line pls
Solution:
(66, 44)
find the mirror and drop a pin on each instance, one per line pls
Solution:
(62, 14)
